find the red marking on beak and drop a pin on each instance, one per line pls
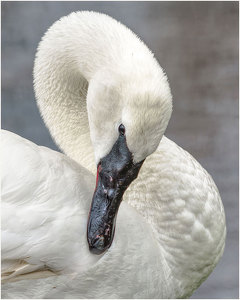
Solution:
(98, 170)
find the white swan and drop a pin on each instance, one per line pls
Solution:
(91, 75)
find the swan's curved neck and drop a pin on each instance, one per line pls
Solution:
(83, 51)
(61, 91)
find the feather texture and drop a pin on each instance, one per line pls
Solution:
(170, 230)
(164, 247)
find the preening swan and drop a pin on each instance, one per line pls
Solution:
(107, 103)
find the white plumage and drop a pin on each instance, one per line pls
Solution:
(170, 230)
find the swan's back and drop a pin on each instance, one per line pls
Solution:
(163, 248)
(45, 207)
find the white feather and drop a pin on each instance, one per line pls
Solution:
(170, 229)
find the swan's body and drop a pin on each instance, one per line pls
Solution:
(170, 229)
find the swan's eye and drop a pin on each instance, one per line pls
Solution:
(121, 129)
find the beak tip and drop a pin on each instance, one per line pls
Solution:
(97, 246)
(96, 251)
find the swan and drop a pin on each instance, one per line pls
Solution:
(66, 232)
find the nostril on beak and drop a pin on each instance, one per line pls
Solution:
(110, 193)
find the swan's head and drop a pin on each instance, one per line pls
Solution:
(127, 121)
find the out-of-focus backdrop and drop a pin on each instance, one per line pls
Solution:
(197, 45)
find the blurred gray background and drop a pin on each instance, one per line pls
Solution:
(197, 44)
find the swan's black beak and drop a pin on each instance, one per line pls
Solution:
(114, 174)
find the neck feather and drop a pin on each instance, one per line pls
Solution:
(73, 51)
(180, 201)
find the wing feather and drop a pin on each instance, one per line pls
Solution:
(45, 195)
